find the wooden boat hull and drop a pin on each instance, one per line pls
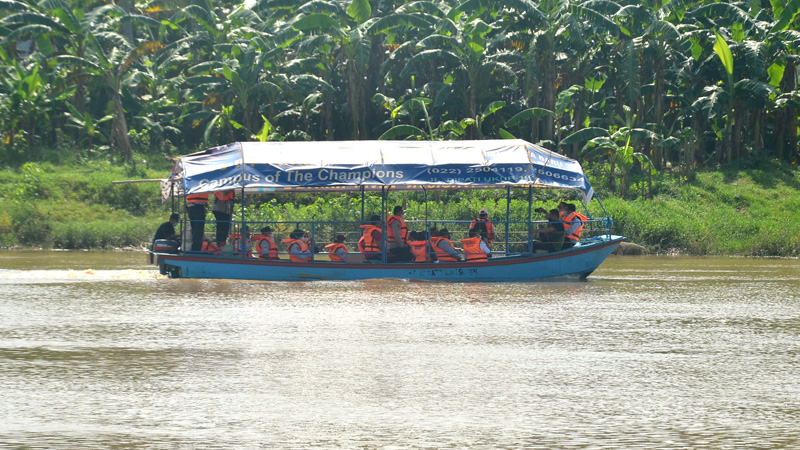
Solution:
(577, 262)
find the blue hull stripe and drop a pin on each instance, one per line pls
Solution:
(577, 262)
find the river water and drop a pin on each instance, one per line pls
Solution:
(97, 350)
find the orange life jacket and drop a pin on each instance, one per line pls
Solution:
(568, 218)
(332, 248)
(367, 243)
(197, 198)
(271, 248)
(403, 228)
(419, 249)
(235, 239)
(472, 250)
(210, 248)
(224, 196)
(440, 252)
(487, 223)
(303, 248)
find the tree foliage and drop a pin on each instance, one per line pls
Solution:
(645, 85)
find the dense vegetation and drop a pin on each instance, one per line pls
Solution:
(629, 84)
(684, 112)
(746, 208)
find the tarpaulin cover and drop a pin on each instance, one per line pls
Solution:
(373, 165)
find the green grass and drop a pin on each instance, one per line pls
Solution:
(77, 206)
(743, 209)
(736, 211)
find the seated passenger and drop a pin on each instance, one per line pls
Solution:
(487, 242)
(166, 231)
(419, 246)
(337, 249)
(444, 248)
(298, 247)
(573, 225)
(264, 246)
(551, 234)
(371, 242)
(236, 241)
(475, 249)
(210, 247)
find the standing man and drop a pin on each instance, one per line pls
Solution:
(196, 209)
(397, 234)
(223, 210)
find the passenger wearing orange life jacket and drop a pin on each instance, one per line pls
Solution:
(298, 247)
(337, 249)
(397, 236)
(264, 246)
(222, 210)
(444, 248)
(210, 247)
(483, 224)
(370, 243)
(475, 248)
(196, 210)
(236, 242)
(573, 224)
(419, 246)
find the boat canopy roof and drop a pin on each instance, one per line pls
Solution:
(375, 165)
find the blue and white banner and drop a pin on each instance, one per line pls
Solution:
(372, 165)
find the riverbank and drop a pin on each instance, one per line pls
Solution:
(744, 209)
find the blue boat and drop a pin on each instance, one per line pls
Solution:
(253, 168)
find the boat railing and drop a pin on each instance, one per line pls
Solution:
(511, 238)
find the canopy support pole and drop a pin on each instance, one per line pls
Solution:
(508, 214)
(427, 228)
(172, 207)
(609, 222)
(384, 238)
(530, 217)
(362, 205)
(243, 231)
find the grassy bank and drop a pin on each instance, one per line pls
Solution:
(742, 209)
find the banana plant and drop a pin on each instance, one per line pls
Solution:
(223, 124)
(27, 100)
(463, 59)
(409, 109)
(616, 146)
(85, 124)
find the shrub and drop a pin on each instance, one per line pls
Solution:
(31, 226)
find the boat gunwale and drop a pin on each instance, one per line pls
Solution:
(505, 260)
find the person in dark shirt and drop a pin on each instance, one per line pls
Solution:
(167, 229)
(551, 234)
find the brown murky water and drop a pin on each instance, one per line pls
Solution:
(99, 351)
